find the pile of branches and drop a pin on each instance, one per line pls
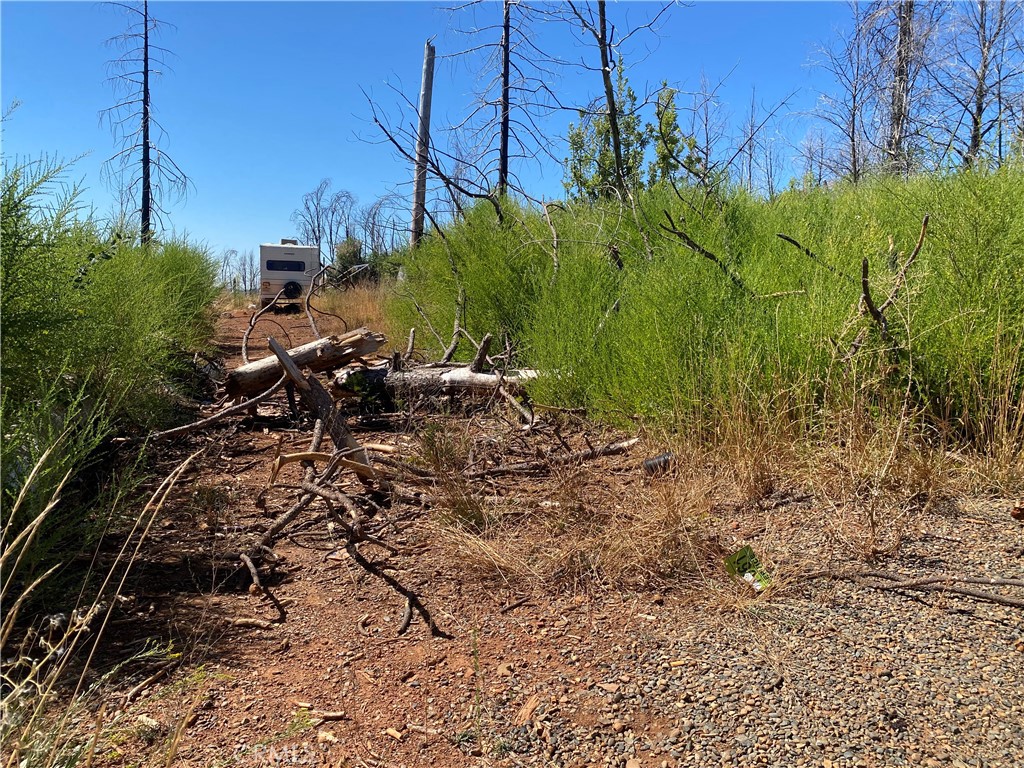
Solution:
(383, 479)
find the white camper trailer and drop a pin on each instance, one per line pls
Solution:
(287, 267)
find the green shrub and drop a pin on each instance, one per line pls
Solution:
(689, 342)
(96, 330)
(500, 266)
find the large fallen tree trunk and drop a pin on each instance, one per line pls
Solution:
(320, 355)
(428, 380)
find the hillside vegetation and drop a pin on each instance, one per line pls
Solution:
(96, 333)
(762, 338)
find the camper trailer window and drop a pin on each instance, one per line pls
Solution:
(282, 265)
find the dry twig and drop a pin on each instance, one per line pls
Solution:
(948, 583)
(252, 324)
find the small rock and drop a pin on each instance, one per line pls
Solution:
(618, 726)
(150, 723)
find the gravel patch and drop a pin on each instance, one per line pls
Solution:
(835, 675)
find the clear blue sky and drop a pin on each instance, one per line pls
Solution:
(264, 99)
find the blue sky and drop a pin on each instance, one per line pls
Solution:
(264, 99)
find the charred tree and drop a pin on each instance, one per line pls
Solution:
(139, 169)
(506, 56)
(979, 69)
(899, 109)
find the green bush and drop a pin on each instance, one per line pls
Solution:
(95, 333)
(689, 342)
(501, 266)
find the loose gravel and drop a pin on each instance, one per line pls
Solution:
(835, 675)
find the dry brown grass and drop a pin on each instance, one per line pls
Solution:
(582, 527)
(40, 722)
(337, 310)
(854, 492)
(359, 306)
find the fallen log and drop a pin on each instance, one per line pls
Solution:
(428, 380)
(321, 355)
(317, 399)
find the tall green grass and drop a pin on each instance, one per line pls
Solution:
(96, 330)
(688, 348)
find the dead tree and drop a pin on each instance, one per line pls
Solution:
(598, 29)
(901, 39)
(139, 167)
(378, 226)
(979, 71)
(506, 56)
(321, 355)
(847, 109)
(899, 110)
(503, 124)
(325, 218)
(469, 183)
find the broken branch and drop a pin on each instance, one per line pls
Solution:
(239, 408)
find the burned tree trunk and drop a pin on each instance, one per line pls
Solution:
(899, 110)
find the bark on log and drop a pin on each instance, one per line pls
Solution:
(320, 355)
(317, 399)
(427, 380)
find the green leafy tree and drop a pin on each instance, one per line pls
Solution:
(673, 150)
(348, 253)
(590, 167)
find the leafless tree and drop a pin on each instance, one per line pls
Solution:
(813, 151)
(460, 177)
(228, 278)
(758, 148)
(901, 37)
(900, 89)
(139, 169)
(517, 89)
(749, 143)
(479, 157)
(325, 218)
(848, 109)
(979, 72)
(249, 271)
(380, 226)
(309, 219)
(338, 220)
(464, 168)
(708, 125)
(721, 158)
(771, 163)
(902, 57)
(240, 271)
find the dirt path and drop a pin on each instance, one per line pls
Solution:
(694, 671)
